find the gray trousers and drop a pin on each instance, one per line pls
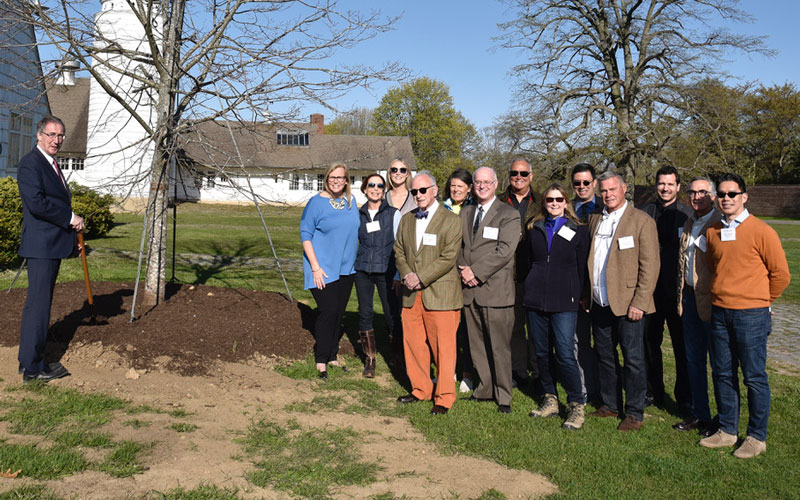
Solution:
(489, 330)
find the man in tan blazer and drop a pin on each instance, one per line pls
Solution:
(426, 247)
(694, 301)
(623, 269)
(491, 232)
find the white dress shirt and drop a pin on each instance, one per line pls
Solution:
(603, 239)
(422, 224)
(735, 222)
(695, 239)
(486, 208)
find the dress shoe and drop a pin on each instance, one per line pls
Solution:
(408, 398)
(629, 424)
(604, 412)
(707, 429)
(52, 372)
(504, 409)
(323, 375)
(690, 424)
(439, 410)
(479, 400)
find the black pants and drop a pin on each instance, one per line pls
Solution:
(42, 275)
(331, 302)
(666, 310)
(366, 283)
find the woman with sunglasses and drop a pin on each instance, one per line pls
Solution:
(397, 192)
(559, 248)
(375, 267)
(329, 232)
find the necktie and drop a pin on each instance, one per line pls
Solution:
(422, 214)
(58, 171)
(478, 219)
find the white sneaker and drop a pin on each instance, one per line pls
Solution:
(466, 385)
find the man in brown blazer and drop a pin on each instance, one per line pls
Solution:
(694, 301)
(491, 232)
(426, 247)
(623, 269)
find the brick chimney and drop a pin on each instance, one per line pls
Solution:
(318, 120)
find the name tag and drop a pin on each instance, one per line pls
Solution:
(566, 233)
(428, 239)
(625, 242)
(373, 226)
(728, 234)
(490, 233)
(700, 243)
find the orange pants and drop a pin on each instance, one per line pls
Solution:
(438, 328)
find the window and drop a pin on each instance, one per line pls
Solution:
(70, 162)
(308, 182)
(210, 181)
(320, 181)
(294, 182)
(20, 137)
(292, 138)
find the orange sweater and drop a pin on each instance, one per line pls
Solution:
(750, 272)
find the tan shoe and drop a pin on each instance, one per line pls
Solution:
(751, 447)
(630, 424)
(720, 439)
(575, 418)
(548, 408)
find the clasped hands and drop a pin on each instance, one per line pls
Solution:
(468, 277)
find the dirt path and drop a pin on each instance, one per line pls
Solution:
(223, 404)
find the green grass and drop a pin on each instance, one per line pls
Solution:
(204, 492)
(182, 427)
(123, 461)
(29, 492)
(308, 463)
(42, 462)
(136, 423)
(790, 236)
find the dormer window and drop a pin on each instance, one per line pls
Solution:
(292, 138)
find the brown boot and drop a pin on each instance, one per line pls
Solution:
(368, 345)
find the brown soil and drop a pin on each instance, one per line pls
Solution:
(211, 352)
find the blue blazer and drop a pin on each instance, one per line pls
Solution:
(46, 209)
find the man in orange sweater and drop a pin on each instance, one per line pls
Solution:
(749, 272)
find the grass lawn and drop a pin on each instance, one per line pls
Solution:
(596, 462)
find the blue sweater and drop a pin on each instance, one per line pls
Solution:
(334, 235)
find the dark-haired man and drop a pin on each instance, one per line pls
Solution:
(670, 216)
(749, 273)
(49, 231)
(584, 182)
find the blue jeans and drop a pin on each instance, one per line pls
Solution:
(562, 327)
(739, 338)
(608, 331)
(366, 283)
(696, 337)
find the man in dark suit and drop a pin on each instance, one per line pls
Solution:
(586, 203)
(49, 229)
(623, 270)
(491, 231)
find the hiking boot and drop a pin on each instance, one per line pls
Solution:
(574, 418)
(719, 440)
(368, 345)
(548, 408)
(751, 447)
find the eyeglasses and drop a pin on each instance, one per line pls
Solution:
(523, 173)
(421, 190)
(729, 194)
(373, 185)
(701, 193)
(337, 178)
(557, 199)
(483, 183)
(402, 170)
(53, 135)
(579, 183)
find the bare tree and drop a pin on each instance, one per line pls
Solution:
(206, 60)
(617, 67)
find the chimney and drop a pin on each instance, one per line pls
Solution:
(318, 120)
(66, 72)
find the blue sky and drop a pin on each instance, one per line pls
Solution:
(451, 41)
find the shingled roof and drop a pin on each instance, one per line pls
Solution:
(71, 104)
(215, 145)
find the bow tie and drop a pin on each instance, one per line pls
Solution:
(422, 214)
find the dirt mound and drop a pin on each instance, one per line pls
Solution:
(196, 326)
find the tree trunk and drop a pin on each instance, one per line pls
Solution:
(155, 273)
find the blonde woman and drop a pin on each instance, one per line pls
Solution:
(329, 232)
(397, 192)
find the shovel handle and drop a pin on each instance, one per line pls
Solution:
(85, 271)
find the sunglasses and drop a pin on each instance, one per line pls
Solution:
(421, 190)
(558, 199)
(729, 194)
(523, 173)
(579, 183)
(402, 170)
(373, 185)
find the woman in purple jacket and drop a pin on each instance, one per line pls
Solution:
(559, 249)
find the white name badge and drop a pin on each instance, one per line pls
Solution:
(428, 239)
(491, 233)
(728, 234)
(566, 233)
(625, 242)
(373, 226)
(701, 243)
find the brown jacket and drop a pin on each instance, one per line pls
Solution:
(701, 272)
(631, 274)
(491, 259)
(435, 265)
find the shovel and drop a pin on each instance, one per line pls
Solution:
(86, 277)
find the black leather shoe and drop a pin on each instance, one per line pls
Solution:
(504, 409)
(439, 410)
(323, 375)
(408, 398)
(689, 424)
(52, 372)
(480, 400)
(707, 429)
